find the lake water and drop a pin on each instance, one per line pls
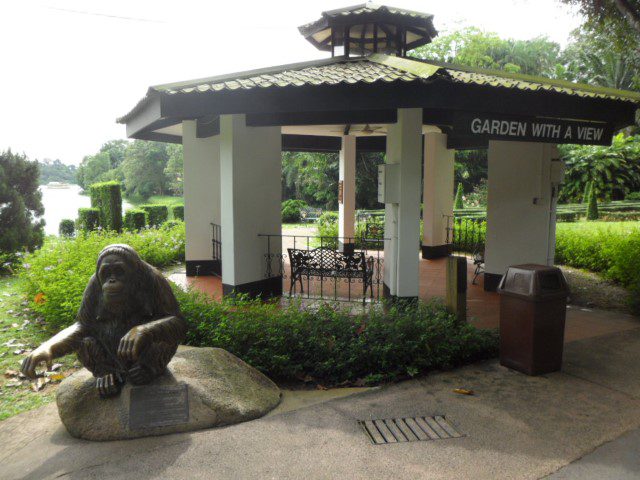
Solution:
(61, 203)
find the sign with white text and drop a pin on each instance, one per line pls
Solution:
(531, 129)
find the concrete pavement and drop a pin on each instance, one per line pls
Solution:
(516, 427)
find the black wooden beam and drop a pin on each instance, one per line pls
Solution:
(340, 117)
(208, 126)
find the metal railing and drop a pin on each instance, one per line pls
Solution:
(325, 284)
(466, 234)
(216, 241)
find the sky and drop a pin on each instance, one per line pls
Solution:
(71, 67)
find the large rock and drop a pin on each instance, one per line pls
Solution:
(221, 390)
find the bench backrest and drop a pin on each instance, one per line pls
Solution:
(325, 258)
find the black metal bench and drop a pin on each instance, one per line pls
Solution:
(326, 262)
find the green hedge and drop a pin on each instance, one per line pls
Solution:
(158, 214)
(135, 220)
(329, 344)
(62, 267)
(88, 219)
(67, 228)
(107, 197)
(178, 212)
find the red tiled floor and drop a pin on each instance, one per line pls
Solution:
(483, 308)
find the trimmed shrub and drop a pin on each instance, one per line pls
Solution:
(107, 197)
(61, 269)
(632, 196)
(587, 192)
(135, 220)
(330, 345)
(592, 209)
(458, 204)
(158, 214)
(292, 210)
(67, 228)
(88, 219)
(178, 212)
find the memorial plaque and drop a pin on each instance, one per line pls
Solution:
(158, 406)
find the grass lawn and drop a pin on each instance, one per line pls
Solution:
(167, 200)
(20, 332)
(586, 227)
(158, 200)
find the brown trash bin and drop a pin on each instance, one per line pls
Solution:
(533, 307)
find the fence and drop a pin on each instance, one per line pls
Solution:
(466, 234)
(333, 276)
(216, 241)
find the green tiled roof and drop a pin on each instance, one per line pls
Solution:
(378, 68)
(344, 71)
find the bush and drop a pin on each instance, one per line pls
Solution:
(135, 220)
(178, 212)
(633, 196)
(61, 269)
(171, 224)
(292, 210)
(610, 249)
(330, 345)
(88, 219)
(158, 214)
(107, 197)
(328, 227)
(67, 228)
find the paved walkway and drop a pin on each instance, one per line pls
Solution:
(515, 426)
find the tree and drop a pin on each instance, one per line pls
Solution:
(614, 170)
(116, 150)
(20, 204)
(94, 169)
(56, 171)
(143, 168)
(476, 48)
(624, 15)
(174, 171)
(312, 177)
(594, 56)
(367, 179)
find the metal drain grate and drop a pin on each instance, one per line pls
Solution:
(410, 429)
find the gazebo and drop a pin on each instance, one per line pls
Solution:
(370, 96)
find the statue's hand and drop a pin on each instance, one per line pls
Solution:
(132, 344)
(39, 355)
(108, 385)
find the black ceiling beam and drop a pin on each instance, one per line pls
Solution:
(323, 144)
(338, 117)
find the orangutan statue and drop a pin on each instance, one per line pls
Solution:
(128, 327)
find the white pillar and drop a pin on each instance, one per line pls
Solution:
(201, 198)
(250, 174)
(520, 207)
(437, 195)
(402, 219)
(347, 207)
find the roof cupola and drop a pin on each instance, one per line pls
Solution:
(370, 28)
